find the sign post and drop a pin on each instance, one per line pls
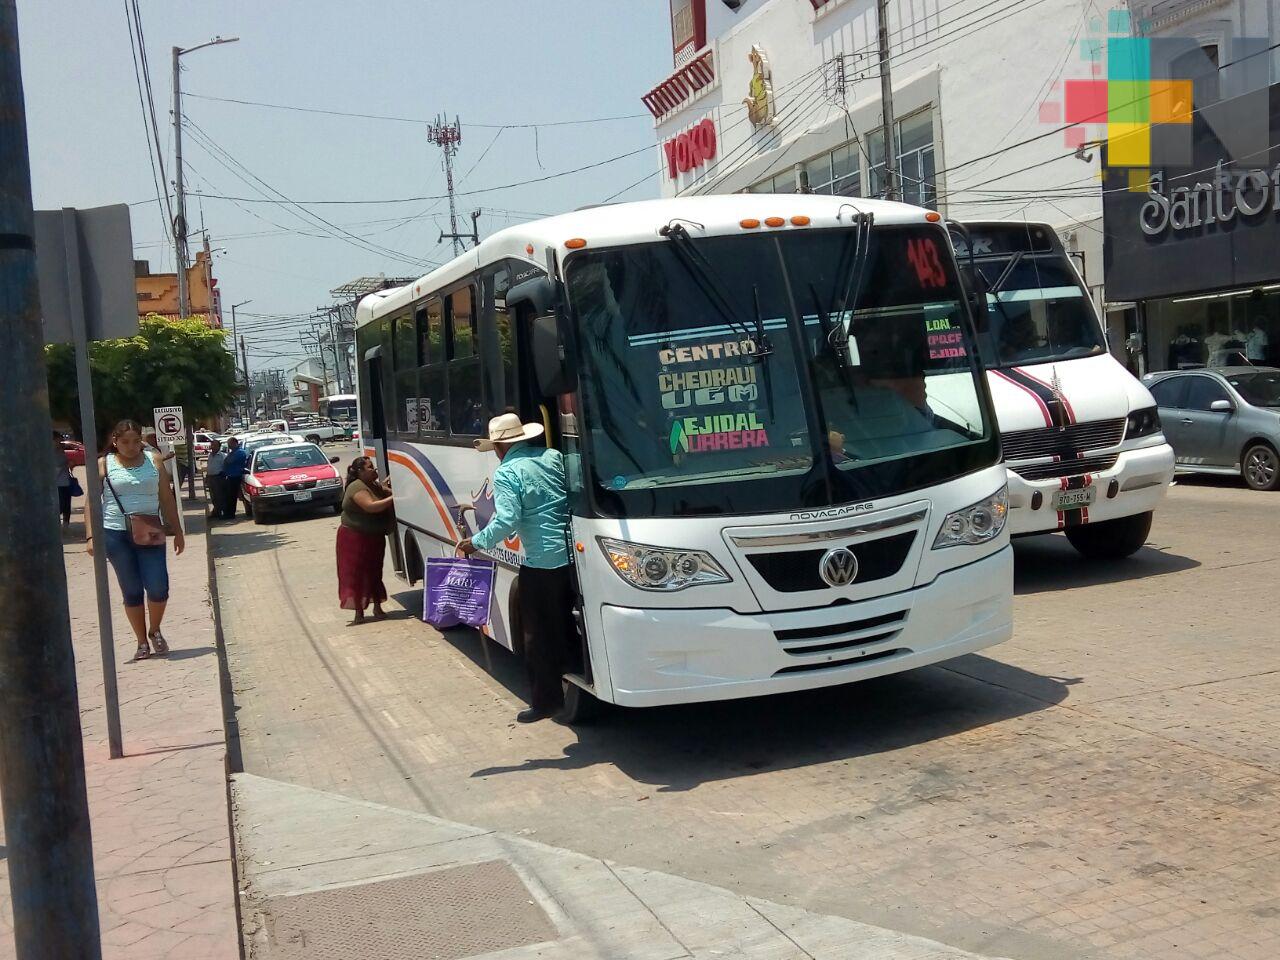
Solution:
(170, 428)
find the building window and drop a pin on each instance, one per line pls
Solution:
(782, 183)
(915, 160)
(837, 173)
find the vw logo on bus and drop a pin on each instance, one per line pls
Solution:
(838, 567)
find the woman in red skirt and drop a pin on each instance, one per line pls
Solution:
(362, 539)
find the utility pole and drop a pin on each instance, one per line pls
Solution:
(235, 339)
(473, 236)
(180, 218)
(447, 136)
(46, 808)
(891, 177)
(248, 383)
(333, 344)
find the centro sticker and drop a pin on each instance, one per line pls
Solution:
(707, 351)
(729, 431)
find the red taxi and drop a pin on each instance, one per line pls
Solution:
(291, 476)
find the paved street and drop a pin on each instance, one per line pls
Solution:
(1105, 785)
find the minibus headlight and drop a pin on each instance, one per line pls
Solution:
(1142, 423)
(661, 568)
(977, 523)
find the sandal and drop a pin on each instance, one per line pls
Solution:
(142, 653)
(160, 643)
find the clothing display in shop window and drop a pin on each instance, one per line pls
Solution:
(1256, 343)
(1185, 351)
(1215, 345)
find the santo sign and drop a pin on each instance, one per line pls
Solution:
(169, 424)
(690, 149)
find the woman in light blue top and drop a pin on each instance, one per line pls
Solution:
(134, 482)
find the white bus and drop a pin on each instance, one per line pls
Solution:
(340, 408)
(1081, 436)
(783, 464)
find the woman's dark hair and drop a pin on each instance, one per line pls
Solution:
(358, 464)
(124, 426)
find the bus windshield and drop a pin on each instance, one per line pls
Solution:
(782, 372)
(341, 408)
(1037, 310)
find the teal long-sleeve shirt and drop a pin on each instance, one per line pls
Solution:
(530, 500)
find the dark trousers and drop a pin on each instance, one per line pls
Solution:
(546, 621)
(213, 490)
(64, 503)
(230, 496)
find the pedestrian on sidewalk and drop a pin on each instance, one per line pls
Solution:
(367, 516)
(138, 493)
(63, 478)
(233, 470)
(213, 476)
(530, 500)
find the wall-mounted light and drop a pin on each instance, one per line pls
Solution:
(734, 4)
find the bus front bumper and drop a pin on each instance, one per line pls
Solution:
(1141, 479)
(659, 657)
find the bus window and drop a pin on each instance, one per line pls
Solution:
(500, 355)
(404, 343)
(431, 332)
(462, 323)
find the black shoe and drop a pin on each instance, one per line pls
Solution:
(532, 715)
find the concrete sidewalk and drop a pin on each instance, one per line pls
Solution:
(161, 834)
(326, 877)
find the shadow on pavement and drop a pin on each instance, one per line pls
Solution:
(1049, 562)
(238, 538)
(187, 653)
(1211, 480)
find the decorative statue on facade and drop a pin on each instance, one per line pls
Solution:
(760, 102)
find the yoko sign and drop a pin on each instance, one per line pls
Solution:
(169, 424)
(690, 149)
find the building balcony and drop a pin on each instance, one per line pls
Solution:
(689, 82)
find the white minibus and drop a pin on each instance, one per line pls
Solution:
(782, 461)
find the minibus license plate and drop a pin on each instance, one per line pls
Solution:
(301, 495)
(1074, 499)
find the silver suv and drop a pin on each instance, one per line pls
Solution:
(1224, 420)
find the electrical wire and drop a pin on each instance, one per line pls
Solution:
(154, 157)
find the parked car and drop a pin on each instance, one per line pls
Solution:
(203, 443)
(317, 430)
(74, 450)
(291, 476)
(1224, 421)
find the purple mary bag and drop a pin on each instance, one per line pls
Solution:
(458, 591)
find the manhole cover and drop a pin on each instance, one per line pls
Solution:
(443, 915)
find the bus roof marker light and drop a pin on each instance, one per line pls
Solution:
(577, 243)
(933, 216)
(750, 223)
(528, 248)
(773, 221)
(800, 221)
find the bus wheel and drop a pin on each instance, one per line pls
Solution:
(1111, 539)
(580, 707)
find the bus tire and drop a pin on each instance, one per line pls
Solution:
(1111, 539)
(580, 707)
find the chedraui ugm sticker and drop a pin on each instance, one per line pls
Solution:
(709, 392)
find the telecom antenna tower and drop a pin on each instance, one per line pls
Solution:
(447, 136)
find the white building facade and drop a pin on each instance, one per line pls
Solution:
(780, 96)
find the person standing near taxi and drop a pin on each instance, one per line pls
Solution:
(233, 470)
(531, 501)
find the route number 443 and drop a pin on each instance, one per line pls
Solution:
(923, 254)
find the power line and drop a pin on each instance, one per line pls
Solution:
(155, 157)
(418, 120)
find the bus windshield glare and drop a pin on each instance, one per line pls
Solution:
(1037, 310)
(777, 372)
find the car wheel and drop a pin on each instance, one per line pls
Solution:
(259, 517)
(312, 438)
(1261, 467)
(1111, 539)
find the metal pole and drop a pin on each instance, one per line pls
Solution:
(248, 384)
(891, 176)
(337, 360)
(46, 809)
(180, 219)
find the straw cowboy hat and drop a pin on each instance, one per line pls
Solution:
(507, 428)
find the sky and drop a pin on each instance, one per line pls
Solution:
(492, 63)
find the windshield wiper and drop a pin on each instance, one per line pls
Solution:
(709, 283)
(837, 331)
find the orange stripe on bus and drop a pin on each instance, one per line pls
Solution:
(404, 461)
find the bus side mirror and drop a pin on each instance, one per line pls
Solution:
(539, 292)
(551, 347)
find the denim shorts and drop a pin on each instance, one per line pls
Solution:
(138, 569)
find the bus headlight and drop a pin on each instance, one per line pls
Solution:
(1142, 423)
(976, 523)
(661, 568)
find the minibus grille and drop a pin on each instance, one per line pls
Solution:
(850, 635)
(849, 662)
(1064, 468)
(1068, 441)
(797, 570)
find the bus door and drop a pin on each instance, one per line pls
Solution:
(378, 433)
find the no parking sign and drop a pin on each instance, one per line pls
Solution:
(169, 423)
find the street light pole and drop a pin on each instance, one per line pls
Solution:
(180, 218)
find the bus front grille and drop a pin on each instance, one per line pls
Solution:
(833, 664)
(1064, 468)
(807, 641)
(796, 571)
(1068, 441)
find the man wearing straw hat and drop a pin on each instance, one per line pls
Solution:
(530, 501)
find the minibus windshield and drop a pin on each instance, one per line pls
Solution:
(1037, 310)
(788, 371)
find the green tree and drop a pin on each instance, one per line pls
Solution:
(169, 362)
